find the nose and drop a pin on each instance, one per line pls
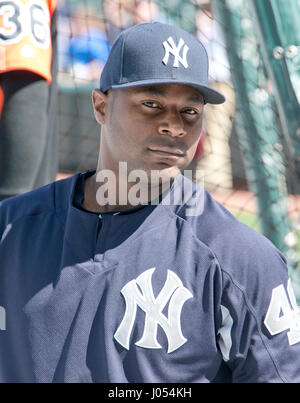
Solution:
(172, 125)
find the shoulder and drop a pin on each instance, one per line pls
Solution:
(234, 244)
(54, 198)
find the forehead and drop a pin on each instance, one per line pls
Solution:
(166, 91)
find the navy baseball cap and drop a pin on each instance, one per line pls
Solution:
(156, 53)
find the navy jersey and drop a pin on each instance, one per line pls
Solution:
(152, 294)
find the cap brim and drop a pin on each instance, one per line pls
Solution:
(210, 95)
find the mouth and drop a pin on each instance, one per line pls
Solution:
(166, 152)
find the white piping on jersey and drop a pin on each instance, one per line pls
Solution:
(224, 333)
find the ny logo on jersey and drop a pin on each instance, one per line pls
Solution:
(171, 48)
(139, 292)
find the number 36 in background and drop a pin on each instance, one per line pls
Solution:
(19, 19)
(283, 313)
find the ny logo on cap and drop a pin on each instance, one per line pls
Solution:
(170, 47)
(139, 292)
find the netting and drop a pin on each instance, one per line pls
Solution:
(249, 149)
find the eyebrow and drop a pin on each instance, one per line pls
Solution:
(155, 91)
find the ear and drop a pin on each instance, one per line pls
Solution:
(99, 105)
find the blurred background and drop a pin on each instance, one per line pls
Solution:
(250, 146)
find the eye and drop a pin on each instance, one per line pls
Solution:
(190, 111)
(151, 104)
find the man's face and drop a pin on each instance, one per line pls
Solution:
(150, 128)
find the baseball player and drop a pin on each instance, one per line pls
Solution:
(28, 157)
(101, 284)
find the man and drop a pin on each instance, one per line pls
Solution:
(28, 155)
(112, 276)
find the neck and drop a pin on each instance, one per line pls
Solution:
(114, 187)
(116, 193)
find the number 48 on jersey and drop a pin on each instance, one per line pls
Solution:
(283, 313)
